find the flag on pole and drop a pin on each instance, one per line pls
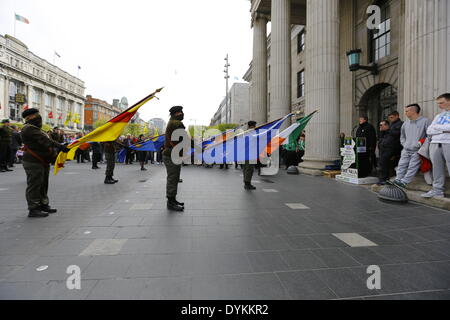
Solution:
(56, 54)
(288, 136)
(22, 19)
(110, 131)
(76, 118)
(68, 119)
(50, 115)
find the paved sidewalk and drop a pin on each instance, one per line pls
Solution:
(295, 237)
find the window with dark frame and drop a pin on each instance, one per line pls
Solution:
(301, 84)
(301, 41)
(380, 39)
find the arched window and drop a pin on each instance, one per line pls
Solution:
(380, 39)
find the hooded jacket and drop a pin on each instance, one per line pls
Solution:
(413, 131)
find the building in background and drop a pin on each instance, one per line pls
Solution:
(27, 81)
(239, 106)
(409, 47)
(98, 110)
(158, 123)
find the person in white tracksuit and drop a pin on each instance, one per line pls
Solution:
(439, 131)
(412, 131)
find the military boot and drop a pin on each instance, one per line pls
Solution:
(179, 203)
(115, 180)
(37, 213)
(173, 206)
(109, 180)
(249, 186)
(48, 209)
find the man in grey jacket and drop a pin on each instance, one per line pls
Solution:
(412, 131)
(439, 131)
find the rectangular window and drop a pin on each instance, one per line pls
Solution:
(37, 97)
(301, 84)
(381, 38)
(301, 41)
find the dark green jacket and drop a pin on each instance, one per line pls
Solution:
(40, 143)
(5, 135)
(171, 127)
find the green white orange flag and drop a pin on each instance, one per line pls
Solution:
(22, 19)
(110, 131)
(291, 133)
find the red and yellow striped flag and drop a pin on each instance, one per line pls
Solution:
(110, 131)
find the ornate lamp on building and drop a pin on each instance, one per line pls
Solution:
(354, 58)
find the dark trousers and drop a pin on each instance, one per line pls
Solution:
(95, 159)
(5, 154)
(12, 157)
(386, 163)
(248, 172)
(37, 184)
(173, 177)
(129, 157)
(110, 164)
(79, 155)
(291, 159)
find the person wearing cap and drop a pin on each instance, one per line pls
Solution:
(5, 145)
(249, 168)
(40, 151)
(173, 170)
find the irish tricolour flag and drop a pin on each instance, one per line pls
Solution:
(22, 19)
(290, 134)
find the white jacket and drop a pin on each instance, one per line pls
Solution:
(439, 130)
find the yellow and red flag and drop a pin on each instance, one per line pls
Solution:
(110, 131)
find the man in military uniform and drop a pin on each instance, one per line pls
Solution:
(248, 168)
(5, 145)
(173, 170)
(109, 149)
(40, 151)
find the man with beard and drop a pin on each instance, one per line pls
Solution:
(40, 151)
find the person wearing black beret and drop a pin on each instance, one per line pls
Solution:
(40, 152)
(173, 170)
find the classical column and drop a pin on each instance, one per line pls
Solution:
(322, 84)
(427, 53)
(280, 53)
(258, 89)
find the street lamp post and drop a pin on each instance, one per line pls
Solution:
(226, 84)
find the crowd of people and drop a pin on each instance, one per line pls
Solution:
(417, 144)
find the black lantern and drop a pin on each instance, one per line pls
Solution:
(354, 58)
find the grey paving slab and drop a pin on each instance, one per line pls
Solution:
(104, 247)
(305, 285)
(227, 244)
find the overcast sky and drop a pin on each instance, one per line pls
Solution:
(129, 48)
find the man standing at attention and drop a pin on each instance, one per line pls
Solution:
(173, 170)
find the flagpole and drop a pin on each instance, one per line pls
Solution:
(15, 24)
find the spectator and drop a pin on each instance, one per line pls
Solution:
(367, 159)
(389, 146)
(439, 131)
(413, 130)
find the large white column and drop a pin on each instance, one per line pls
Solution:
(427, 53)
(258, 89)
(322, 84)
(280, 54)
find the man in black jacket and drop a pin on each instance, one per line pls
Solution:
(366, 159)
(5, 145)
(40, 151)
(389, 145)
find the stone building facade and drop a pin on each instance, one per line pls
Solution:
(238, 106)
(29, 81)
(410, 49)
